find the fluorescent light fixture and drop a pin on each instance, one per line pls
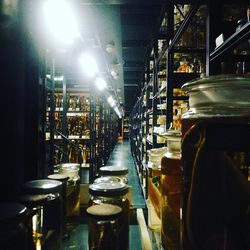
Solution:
(60, 21)
(58, 78)
(100, 83)
(88, 64)
(111, 101)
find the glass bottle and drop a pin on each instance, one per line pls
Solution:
(119, 171)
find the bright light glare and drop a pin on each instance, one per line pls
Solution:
(100, 83)
(60, 21)
(88, 64)
(111, 101)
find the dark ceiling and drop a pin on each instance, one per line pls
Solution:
(131, 25)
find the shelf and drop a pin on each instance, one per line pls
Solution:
(181, 98)
(241, 35)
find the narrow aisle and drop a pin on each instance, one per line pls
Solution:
(121, 156)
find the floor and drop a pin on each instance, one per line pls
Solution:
(120, 156)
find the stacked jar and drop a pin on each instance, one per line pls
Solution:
(72, 190)
(114, 194)
(171, 191)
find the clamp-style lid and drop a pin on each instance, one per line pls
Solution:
(108, 189)
(113, 170)
(43, 186)
(34, 199)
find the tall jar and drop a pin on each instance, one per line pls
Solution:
(50, 216)
(72, 191)
(116, 194)
(215, 159)
(171, 191)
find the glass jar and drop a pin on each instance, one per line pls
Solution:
(215, 155)
(72, 191)
(171, 191)
(50, 219)
(35, 204)
(103, 224)
(119, 171)
(63, 179)
(115, 194)
(13, 233)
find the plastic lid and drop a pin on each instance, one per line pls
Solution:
(108, 189)
(113, 170)
(110, 179)
(12, 212)
(58, 177)
(43, 186)
(104, 211)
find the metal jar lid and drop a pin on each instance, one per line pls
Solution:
(113, 170)
(109, 179)
(108, 189)
(58, 177)
(43, 186)
(104, 211)
(220, 94)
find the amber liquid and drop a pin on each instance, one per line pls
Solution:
(171, 190)
(123, 220)
(215, 153)
(104, 234)
(73, 202)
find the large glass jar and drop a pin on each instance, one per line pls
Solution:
(63, 179)
(103, 225)
(72, 191)
(119, 171)
(171, 191)
(215, 163)
(50, 216)
(13, 232)
(116, 194)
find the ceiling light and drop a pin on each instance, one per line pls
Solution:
(100, 83)
(111, 101)
(88, 64)
(60, 21)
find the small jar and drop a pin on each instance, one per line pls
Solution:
(51, 213)
(72, 191)
(103, 224)
(115, 194)
(119, 171)
(13, 233)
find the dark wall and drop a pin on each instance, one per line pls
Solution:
(19, 89)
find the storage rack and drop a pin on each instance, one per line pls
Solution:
(164, 58)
